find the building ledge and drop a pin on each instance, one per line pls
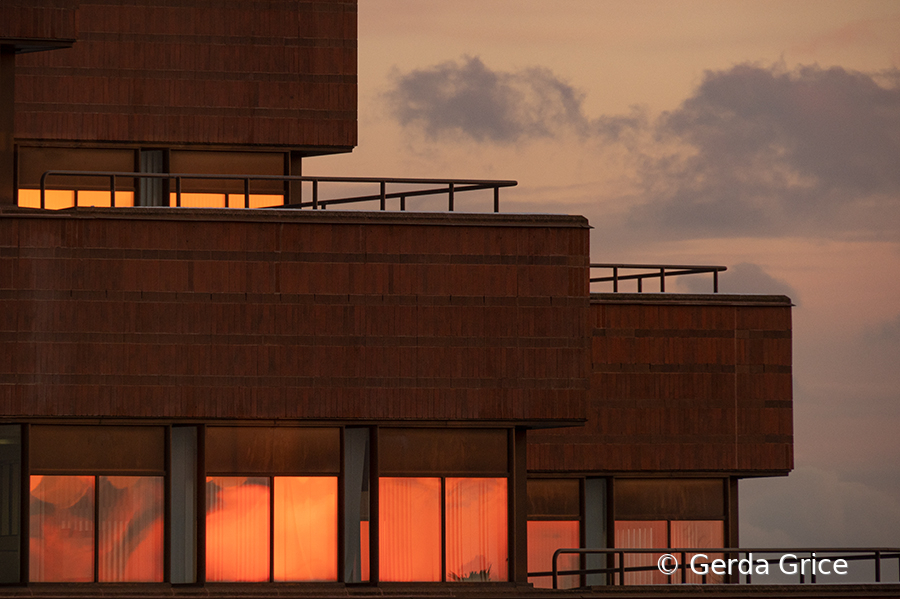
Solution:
(693, 299)
(305, 216)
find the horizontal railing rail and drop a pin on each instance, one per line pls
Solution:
(678, 562)
(652, 271)
(450, 187)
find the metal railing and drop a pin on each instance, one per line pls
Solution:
(803, 562)
(653, 271)
(432, 187)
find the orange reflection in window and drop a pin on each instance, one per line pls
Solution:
(131, 529)
(699, 533)
(544, 538)
(636, 534)
(257, 200)
(410, 529)
(305, 528)
(221, 200)
(57, 199)
(476, 529)
(237, 529)
(62, 529)
(198, 200)
(364, 548)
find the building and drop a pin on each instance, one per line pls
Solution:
(302, 402)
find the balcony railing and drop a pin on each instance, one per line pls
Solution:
(676, 564)
(639, 272)
(422, 187)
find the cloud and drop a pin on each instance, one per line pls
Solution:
(745, 277)
(886, 334)
(771, 152)
(468, 98)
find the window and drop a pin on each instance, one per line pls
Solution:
(443, 505)
(283, 525)
(668, 513)
(95, 514)
(554, 522)
(667, 533)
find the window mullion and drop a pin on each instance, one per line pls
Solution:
(444, 529)
(96, 528)
(271, 528)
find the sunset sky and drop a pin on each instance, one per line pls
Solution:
(762, 135)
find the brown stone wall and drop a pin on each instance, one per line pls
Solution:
(45, 20)
(682, 383)
(166, 313)
(179, 72)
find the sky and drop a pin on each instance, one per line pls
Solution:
(764, 136)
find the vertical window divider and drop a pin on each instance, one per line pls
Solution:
(272, 528)
(374, 510)
(341, 512)
(443, 529)
(201, 505)
(582, 533)
(96, 528)
(25, 506)
(167, 506)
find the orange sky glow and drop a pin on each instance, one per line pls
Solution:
(757, 135)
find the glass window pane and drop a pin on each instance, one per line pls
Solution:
(183, 491)
(257, 200)
(305, 528)
(198, 200)
(131, 528)
(702, 534)
(636, 534)
(476, 529)
(410, 529)
(237, 529)
(544, 538)
(54, 199)
(62, 529)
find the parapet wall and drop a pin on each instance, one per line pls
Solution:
(204, 314)
(698, 383)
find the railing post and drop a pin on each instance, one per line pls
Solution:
(640, 284)
(451, 196)
(812, 574)
(496, 199)
(178, 192)
(877, 566)
(555, 565)
(402, 203)
(43, 190)
(662, 280)
(112, 192)
(683, 567)
(383, 185)
(621, 568)
(246, 193)
(315, 192)
(615, 279)
(715, 281)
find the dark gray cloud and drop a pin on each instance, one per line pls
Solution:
(745, 277)
(766, 151)
(470, 99)
(887, 334)
(755, 151)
